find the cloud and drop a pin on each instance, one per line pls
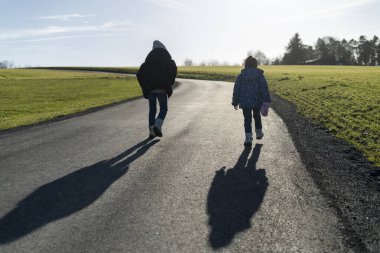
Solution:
(66, 31)
(12, 47)
(340, 9)
(66, 17)
(116, 24)
(171, 4)
(74, 37)
(324, 10)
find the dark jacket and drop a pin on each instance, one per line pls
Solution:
(157, 72)
(251, 89)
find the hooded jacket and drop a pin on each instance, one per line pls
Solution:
(157, 72)
(250, 89)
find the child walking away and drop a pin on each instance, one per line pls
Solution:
(252, 95)
(156, 77)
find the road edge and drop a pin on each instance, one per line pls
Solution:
(342, 175)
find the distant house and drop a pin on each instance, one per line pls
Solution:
(316, 61)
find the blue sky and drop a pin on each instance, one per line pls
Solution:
(120, 33)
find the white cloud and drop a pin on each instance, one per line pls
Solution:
(324, 10)
(66, 17)
(171, 4)
(116, 24)
(66, 31)
(73, 37)
(340, 9)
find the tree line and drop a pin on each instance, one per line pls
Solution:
(326, 51)
(331, 51)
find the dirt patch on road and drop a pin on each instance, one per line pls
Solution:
(343, 175)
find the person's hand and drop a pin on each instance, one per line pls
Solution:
(236, 107)
(265, 109)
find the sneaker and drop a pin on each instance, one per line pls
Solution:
(152, 134)
(259, 134)
(248, 140)
(157, 131)
(157, 127)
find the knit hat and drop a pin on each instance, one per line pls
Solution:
(250, 62)
(158, 44)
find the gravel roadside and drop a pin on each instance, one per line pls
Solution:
(342, 174)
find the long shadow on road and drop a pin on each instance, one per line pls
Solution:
(67, 195)
(234, 197)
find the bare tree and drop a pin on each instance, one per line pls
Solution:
(277, 60)
(261, 58)
(188, 62)
(6, 64)
(213, 63)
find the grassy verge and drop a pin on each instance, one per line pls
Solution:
(346, 100)
(31, 96)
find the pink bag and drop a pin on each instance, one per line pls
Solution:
(265, 109)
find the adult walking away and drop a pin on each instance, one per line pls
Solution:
(156, 77)
(252, 95)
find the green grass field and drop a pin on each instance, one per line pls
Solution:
(346, 100)
(28, 96)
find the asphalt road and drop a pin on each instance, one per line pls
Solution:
(95, 184)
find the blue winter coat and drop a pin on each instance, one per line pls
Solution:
(251, 89)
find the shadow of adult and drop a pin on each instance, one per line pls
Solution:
(67, 195)
(235, 195)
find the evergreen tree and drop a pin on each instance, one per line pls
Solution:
(295, 51)
(348, 57)
(311, 53)
(331, 51)
(373, 58)
(353, 45)
(364, 51)
(340, 51)
(378, 52)
(323, 52)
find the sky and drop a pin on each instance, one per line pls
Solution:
(121, 32)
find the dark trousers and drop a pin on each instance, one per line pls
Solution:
(163, 102)
(248, 119)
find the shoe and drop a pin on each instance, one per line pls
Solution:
(248, 140)
(157, 127)
(259, 134)
(152, 134)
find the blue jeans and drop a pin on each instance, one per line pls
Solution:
(163, 101)
(248, 119)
